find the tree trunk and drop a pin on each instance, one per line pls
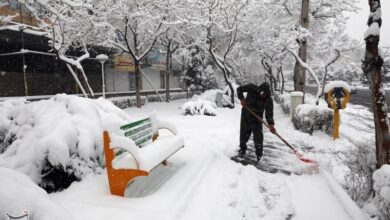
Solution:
(282, 86)
(85, 83)
(326, 70)
(167, 70)
(271, 83)
(137, 84)
(231, 94)
(372, 67)
(299, 72)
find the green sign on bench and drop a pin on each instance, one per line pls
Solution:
(140, 131)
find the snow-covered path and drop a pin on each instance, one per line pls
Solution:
(313, 199)
(201, 182)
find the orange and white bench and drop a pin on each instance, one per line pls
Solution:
(138, 151)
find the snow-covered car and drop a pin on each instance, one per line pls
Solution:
(289, 86)
(353, 89)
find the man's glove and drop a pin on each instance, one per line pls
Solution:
(272, 129)
(243, 103)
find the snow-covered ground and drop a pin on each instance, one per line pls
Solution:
(201, 182)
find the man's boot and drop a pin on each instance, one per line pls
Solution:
(259, 152)
(242, 151)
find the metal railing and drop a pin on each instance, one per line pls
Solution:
(108, 94)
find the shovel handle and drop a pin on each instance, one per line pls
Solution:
(269, 127)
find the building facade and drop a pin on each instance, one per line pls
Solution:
(27, 68)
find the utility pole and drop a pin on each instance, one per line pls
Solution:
(299, 72)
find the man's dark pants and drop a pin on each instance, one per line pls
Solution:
(249, 125)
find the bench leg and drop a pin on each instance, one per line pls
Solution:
(118, 179)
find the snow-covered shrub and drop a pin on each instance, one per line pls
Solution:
(199, 107)
(211, 95)
(382, 191)
(361, 164)
(309, 117)
(178, 95)
(284, 101)
(172, 96)
(126, 101)
(56, 141)
(20, 196)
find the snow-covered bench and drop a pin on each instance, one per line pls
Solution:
(139, 151)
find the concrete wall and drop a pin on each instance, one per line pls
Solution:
(117, 81)
(123, 81)
(157, 78)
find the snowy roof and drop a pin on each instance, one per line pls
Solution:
(28, 31)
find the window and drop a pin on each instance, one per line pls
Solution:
(14, 4)
(162, 79)
(132, 81)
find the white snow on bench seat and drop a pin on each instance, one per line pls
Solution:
(151, 155)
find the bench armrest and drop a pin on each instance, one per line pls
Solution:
(158, 124)
(120, 142)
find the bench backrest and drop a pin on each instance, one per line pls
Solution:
(139, 131)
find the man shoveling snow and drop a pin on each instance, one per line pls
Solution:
(258, 99)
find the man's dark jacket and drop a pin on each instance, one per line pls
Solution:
(259, 100)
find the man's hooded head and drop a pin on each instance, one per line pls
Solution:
(265, 90)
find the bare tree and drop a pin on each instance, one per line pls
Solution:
(68, 25)
(335, 58)
(267, 62)
(372, 65)
(227, 19)
(133, 27)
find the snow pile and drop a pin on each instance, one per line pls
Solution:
(297, 94)
(382, 188)
(334, 84)
(212, 96)
(352, 210)
(56, 141)
(102, 57)
(309, 117)
(199, 107)
(20, 196)
(373, 30)
(284, 101)
(209, 95)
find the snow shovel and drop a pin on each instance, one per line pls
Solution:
(299, 155)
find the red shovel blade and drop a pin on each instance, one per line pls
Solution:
(313, 167)
(306, 160)
(302, 158)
